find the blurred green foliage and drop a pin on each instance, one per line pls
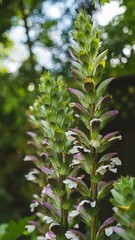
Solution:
(13, 230)
(124, 206)
(118, 37)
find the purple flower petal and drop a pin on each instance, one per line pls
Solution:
(103, 101)
(30, 158)
(50, 235)
(79, 234)
(77, 107)
(107, 157)
(47, 189)
(78, 93)
(33, 223)
(80, 134)
(118, 230)
(44, 142)
(78, 156)
(50, 207)
(45, 155)
(78, 179)
(108, 115)
(106, 223)
(109, 135)
(31, 134)
(47, 171)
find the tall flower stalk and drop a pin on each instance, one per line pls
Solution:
(51, 115)
(91, 108)
(71, 162)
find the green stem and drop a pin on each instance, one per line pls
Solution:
(64, 213)
(94, 218)
(64, 218)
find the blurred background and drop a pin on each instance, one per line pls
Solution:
(34, 37)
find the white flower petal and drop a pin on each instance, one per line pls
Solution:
(41, 238)
(74, 150)
(33, 206)
(69, 136)
(69, 133)
(76, 226)
(115, 138)
(93, 204)
(114, 170)
(81, 204)
(30, 228)
(40, 215)
(47, 219)
(102, 170)
(109, 231)
(53, 224)
(86, 150)
(94, 120)
(74, 162)
(70, 235)
(30, 176)
(116, 161)
(84, 201)
(70, 184)
(73, 213)
(35, 196)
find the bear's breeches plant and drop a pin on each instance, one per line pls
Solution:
(71, 160)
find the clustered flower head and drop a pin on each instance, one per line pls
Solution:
(67, 156)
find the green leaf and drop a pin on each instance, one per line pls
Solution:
(68, 203)
(100, 57)
(15, 229)
(105, 190)
(106, 117)
(102, 86)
